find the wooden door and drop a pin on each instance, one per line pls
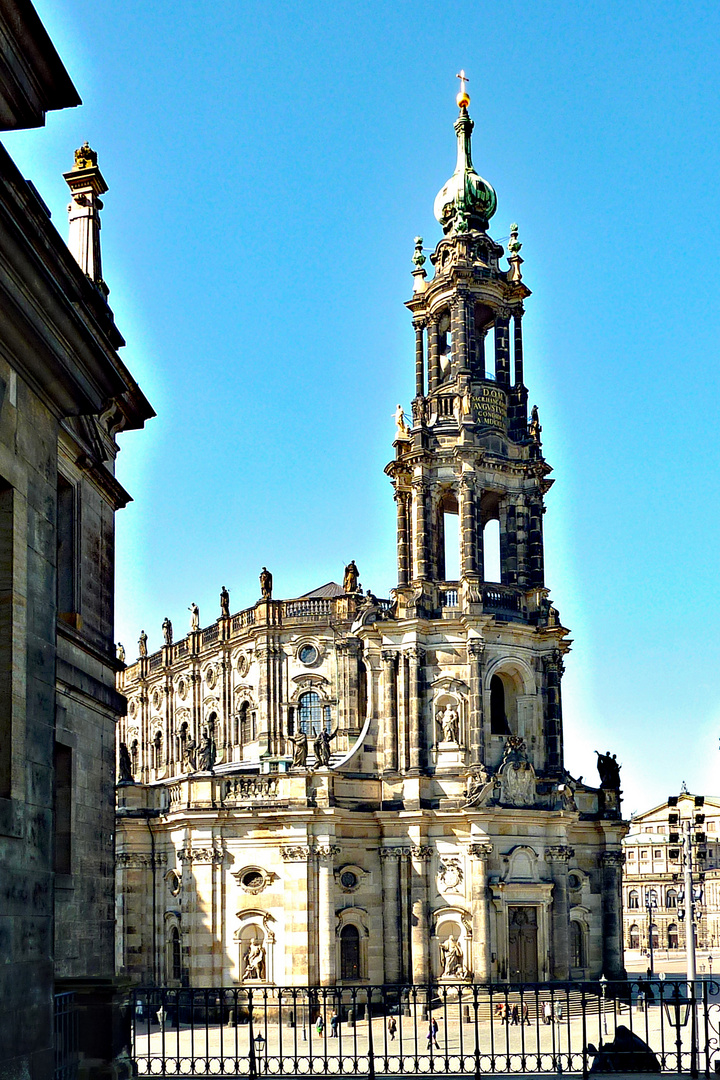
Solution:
(522, 941)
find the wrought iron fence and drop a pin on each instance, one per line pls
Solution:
(452, 1029)
(66, 1037)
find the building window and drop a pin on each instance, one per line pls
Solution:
(313, 714)
(672, 936)
(633, 899)
(654, 936)
(349, 952)
(657, 853)
(6, 637)
(631, 855)
(246, 724)
(498, 717)
(662, 828)
(644, 853)
(634, 939)
(62, 832)
(577, 945)
(671, 898)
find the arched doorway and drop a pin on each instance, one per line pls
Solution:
(522, 944)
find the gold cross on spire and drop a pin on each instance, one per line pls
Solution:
(463, 98)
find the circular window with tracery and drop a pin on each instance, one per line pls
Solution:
(253, 879)
(308, 655)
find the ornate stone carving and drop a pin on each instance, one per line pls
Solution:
(450, 874)
(241, 789)
(612, 858)
(394, 852)
(480, 851)
(140, 860)
(559, 853)
(209, 855)
(421, 853)
(297, 853)
(323, 854)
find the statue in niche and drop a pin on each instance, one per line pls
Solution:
(254, 961)
(266, 584)
(449, 722)
(609, 770)
(125, 765)
(167, 631)
(452, 959)
(142, 644)
(351, 578)
(206, 753)
(321, 746)
(224, 603)
(194, 616)
(121, 652)
(300, 749)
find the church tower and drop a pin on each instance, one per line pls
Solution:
(470, 479)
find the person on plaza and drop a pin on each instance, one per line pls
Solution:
(392, 1027)
(334, 1021)
(320, 1025)
(547, 1012)
(515, 1015)
(525, 1013)
(558, 1012)
(434, 1025)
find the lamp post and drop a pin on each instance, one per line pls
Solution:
(603, 988)
(650, 905)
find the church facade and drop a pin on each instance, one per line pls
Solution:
(340, 789)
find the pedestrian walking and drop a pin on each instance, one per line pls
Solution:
(334, 1021)
(434, 1025)
(515, 1015)
(559, 1012)
(525, 1013)
(547, 1012)
(320, 1025)
(392, 1028)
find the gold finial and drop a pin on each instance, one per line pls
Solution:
(463, 98)
(85, 158)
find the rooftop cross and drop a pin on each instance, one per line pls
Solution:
(463, 98)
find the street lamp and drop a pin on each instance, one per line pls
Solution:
(692, 834)
(651, 904)
(603, 988)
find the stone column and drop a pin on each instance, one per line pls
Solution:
(401, 498)
(433, 356)
(419, 532)
(419, 326)
(502, 351)
(612, 914)
(535, 542)
(553, 668)
(459, 334)
(420, 935)
(519, 376)
(390, 719)
(417, 741)
(481, 960)
(522, 536)
(403, 712)
(559, 950)
(475, 649)
(297, 963)
(468, 535)
(392, 923)
(324, 856)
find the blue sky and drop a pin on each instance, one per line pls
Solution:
(269, 165)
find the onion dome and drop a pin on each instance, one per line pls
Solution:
(466, 201)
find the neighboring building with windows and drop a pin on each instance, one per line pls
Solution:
(64, 395)
(653, 898)
(444, 838)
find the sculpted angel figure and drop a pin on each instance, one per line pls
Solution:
(300, 749)
(321, 746)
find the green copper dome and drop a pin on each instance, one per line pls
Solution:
(466, 201)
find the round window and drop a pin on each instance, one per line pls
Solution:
(348, 880)
(574, 881)
(308, 654)
(173, 883)
(253, 879)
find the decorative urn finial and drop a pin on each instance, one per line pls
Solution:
(466, 201)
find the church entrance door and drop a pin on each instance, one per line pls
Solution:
(522, 940)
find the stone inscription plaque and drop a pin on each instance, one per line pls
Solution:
(489, 406)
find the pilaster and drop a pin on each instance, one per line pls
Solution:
(390, 858)
(558, 856)
(612, 862)
(480, 855)
(390, 718)
(416, 657)
(420, 856)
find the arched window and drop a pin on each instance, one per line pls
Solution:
(448, 553)
(671, 898)
(633, 899)
(634, 940)
(498, 717)
(176, 964)
(157, 749)
(491, 551)
(134, 757)
(349, 952)
(246, 734)
(314, 715)
(654, 936)
(672, 936)
(577, 945)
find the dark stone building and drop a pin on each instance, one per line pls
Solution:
(438, 833)
(64, 395)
